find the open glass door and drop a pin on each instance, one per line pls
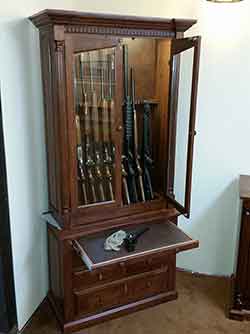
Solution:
(184, 70)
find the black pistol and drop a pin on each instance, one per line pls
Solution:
(131, 239)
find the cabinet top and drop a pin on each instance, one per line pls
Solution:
(63, 17)
(244, 186)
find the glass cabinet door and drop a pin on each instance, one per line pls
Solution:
(184, 64)
(94, 94)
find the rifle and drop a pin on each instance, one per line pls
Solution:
(80, 161)
(147, 161)
(111, 105)
(96, 131)
(87, 130)
(136, 144)
(124, 183)
(106, 132)
(128, 133)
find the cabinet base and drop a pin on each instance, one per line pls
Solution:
(239, 315)
(70, 327)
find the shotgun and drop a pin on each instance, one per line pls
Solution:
(136, 144)
(96, 132)
(128, 133)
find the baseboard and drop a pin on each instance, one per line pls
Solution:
(30, 319)
(198, 274)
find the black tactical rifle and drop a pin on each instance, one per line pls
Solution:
(128, 158)
(146, 159)
(139, 171)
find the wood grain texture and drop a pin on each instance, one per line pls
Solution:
(79, 297)
(162, 78)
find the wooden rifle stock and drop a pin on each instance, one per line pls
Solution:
(106, 137)
(87, 129)
(80, 161)
(96, 130)
(124, 183)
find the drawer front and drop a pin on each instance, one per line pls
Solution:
(99, 300)
(86, 279)
(113, 295)
(147, 286)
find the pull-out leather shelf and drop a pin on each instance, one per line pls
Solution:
(161, 237)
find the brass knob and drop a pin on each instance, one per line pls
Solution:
(119, 128)
(149, 284)
(100, 277)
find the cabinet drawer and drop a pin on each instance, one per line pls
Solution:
(122, 292)
(161, 237)
(98, 300)
(147, 285)
(87, 278)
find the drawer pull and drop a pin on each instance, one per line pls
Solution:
(149, 284)
(100, 277)
(125, 289)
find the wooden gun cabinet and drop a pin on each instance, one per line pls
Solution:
(120, 103)
(240, 303)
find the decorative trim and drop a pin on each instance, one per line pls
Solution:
(121, 22)
(117, 31)
(59, 46)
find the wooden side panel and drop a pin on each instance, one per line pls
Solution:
(161, 94)
(50, 119)
(142, 57)
(56, 127)
(55, 269)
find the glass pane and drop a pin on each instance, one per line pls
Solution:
(182, 127)
(94, 78)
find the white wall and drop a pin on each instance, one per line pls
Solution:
(221, 151)
(223, 127)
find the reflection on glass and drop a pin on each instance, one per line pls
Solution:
(94, 78)
(182, 128)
